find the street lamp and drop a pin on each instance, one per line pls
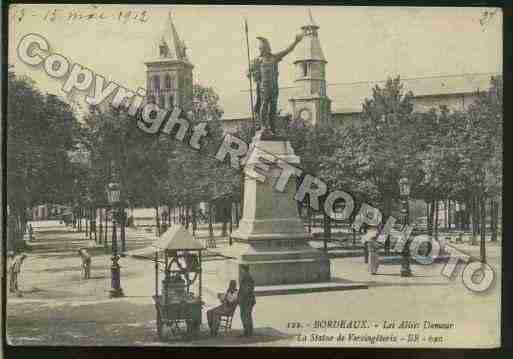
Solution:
(113, 195)
(404, 191)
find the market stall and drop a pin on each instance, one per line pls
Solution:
(179, 302)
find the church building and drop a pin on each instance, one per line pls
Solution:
(310, 102)
(169, 73)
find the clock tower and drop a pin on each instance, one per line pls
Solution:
(169, 72)
(311, 103)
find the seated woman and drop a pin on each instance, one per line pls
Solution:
(228, 304)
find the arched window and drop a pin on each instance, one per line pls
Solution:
(156, 83)
(305, 69)
(162, 102)
(163, 50)
(168, 82)
(171, 101)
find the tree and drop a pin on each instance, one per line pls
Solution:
(41, 129)
(374, 153)
(157, 170)
(482, 151)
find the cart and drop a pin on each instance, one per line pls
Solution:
(179, 303)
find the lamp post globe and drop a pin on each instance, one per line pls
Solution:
(404, 186)
(113, 193)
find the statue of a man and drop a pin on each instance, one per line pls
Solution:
(264, 70)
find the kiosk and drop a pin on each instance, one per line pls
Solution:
(179, 302)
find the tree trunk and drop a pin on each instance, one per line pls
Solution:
(237, 213)
(224, 227)
(91, 228)
(80, 219)
(431, 217)
(231, 219)
(309, 214)
(494, 208)
(95, 214)
(467, 215)
(226, 216)
(157, 221)
(435, 206)
(327, 231)
(194, 223)
(483, 229)
(446, 215)
(242, 193)
(123, 230)
(210, 224)
(100, 227)
(189, 216)
(474, 221)
(478, 215)
(387, 205)
(86, 223)
(106, 233)
(449, 214)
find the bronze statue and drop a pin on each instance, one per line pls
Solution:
(264, 71)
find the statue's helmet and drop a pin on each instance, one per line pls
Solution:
(265, 43)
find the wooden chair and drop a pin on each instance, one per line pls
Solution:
(225, 321)
(211, 242)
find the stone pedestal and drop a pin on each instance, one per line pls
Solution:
(278, 251)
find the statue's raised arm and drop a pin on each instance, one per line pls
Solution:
(281, 54)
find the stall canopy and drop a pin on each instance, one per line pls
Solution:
(175, 238)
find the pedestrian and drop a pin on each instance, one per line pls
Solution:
(31, 231)
(246, 299)
(86, 263)
(373, 247)
(227, 307)
(15, 272)
(10, 260)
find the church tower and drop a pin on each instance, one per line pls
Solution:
(311, 102)
(169, 73)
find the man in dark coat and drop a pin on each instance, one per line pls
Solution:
(246, 299)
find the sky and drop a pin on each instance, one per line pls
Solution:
(359, 43)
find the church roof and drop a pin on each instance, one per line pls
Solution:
(310, 47)
(349, 97)
(177, 50)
